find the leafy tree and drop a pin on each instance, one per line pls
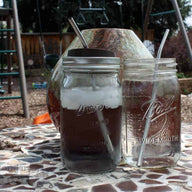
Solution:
(49, 15)
(121, 14)
(167, 21)
(134, 13)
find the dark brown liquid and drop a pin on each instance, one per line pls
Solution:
(82, 142)
(166, 108)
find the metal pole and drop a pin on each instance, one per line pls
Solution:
(9, 55)
(142, 18)
(20, 59)
(183, 30)
(147, 15)
(121, 12)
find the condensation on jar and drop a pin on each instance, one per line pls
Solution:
(90, 115)
(151, 98)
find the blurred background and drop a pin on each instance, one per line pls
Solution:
(51, 17)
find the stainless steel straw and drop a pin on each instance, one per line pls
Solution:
(154, 93)
(78, 32)
(100, 117)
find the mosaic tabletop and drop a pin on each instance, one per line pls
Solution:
(30, 161)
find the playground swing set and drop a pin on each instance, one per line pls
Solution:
(50, 60)
(81, 18)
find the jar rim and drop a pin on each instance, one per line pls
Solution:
(91, 63)
(153, 65)
(157, 60)
(91, 60)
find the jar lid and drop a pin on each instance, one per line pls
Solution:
(90, 52)
(91, 63)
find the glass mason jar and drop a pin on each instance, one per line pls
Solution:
(151, 118)
(123, 42)
(90, 114)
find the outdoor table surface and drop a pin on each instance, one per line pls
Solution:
(31, 162)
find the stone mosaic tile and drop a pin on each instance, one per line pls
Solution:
(30, 161)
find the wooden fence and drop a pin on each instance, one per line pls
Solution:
(32, 48)
(148, 36)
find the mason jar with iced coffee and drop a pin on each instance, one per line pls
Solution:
(151, 119)
(90, 114)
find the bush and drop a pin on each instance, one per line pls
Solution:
(181, 75)
(175, 48)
